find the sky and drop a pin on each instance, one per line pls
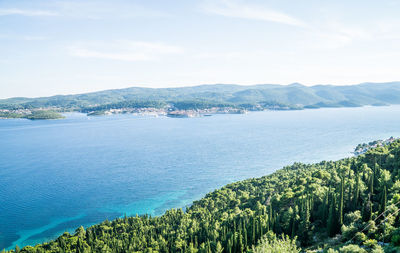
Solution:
(74, 46)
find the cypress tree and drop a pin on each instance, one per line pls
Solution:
(270, 219)
(332, 221)
(305, 225)
(245, 237)
(371, 191)
(253, 236)
(293, 228)
(325, 209)
(261, 227)
(356, 192)
(384, 199)
(349, 195)
(367, 210)
(341, 202)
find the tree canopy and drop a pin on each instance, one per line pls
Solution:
(350, 205)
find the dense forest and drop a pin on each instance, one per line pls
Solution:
(351, 205)
(265, 96)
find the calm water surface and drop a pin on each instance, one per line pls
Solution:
(58, 175)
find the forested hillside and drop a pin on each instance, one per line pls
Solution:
(267, 96)
(350, 205)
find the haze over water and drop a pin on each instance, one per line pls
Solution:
(57, 175)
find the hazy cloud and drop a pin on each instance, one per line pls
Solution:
(124, 50)
(26, 12)
(106, 10)
(97, 9)
(34, 38)
(234, 9)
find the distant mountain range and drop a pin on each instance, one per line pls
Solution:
(294, 96)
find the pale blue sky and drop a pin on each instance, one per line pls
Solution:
(73, 46)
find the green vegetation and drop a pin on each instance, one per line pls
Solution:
(271, 244)
(256, 97)
(124, 104)
(32, 115)
(351, 205)
(10, 115)
(44, 115)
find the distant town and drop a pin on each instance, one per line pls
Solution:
(364, 147)
(55, 113)
(172, 112)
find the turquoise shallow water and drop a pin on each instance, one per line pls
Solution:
(58, 175)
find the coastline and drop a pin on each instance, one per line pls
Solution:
(157, 112)
(146, 213)
(266, 116)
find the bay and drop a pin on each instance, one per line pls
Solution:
(56, 175)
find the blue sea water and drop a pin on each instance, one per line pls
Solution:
(59, 174)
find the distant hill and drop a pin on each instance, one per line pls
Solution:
(295, 95)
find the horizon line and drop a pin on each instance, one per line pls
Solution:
(197, 85)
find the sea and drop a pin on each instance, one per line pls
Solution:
(56, 175)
